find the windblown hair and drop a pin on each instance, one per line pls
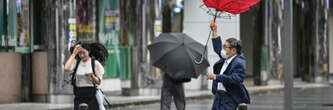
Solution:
(96, 50)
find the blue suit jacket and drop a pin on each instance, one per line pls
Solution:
(233, 76)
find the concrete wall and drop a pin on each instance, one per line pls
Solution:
(10, 79)
(39, 76)
(196, 25)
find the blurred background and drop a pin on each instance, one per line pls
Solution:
(35, 36)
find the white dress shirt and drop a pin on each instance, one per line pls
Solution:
(220, 86)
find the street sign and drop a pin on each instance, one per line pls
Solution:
(72, 34)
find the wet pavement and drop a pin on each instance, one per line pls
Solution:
(304, 99)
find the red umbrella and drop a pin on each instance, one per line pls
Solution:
(216, 3)
(231, 6)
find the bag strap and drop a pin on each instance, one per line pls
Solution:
(105, 99)
(93, 69)
(74, 73)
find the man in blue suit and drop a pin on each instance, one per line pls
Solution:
(229, 73)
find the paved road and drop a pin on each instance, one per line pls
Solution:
(304, 99)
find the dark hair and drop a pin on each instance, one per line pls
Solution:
(236, 44)
(96, 50)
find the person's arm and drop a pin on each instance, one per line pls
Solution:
(97, 79)
(71, 60)
(217, 44)
(213, 27)
(237, 76)
(94, 78)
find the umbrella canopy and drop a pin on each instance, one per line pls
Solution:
(231, 6)
(218, 7)
(178, 55)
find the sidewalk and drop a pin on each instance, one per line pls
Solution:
(121, 101)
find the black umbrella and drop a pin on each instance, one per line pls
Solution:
(178, 55)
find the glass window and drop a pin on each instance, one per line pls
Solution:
(22, 26)
(2, 22)
(85, 20)
(15, 25)
(118, 64)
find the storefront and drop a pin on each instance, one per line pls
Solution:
(99, 21)
(35, 36)
(15, 45)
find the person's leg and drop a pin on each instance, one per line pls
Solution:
(216, 102)
(165, 100)
(87, 95)
(179, 96)
(76, 103)
(227, 103)
(79, 98)
(166, 96)
(229, 106)
(93, 104)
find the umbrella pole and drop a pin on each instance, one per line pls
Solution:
(215, 16)
(202, 55)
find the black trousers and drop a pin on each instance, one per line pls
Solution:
(85, 95)
(223, 102)
(172, 89)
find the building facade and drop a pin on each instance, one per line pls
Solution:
(36, 36)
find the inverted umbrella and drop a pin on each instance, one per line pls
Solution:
(216, 3)
(178, 55)
(231, 6)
